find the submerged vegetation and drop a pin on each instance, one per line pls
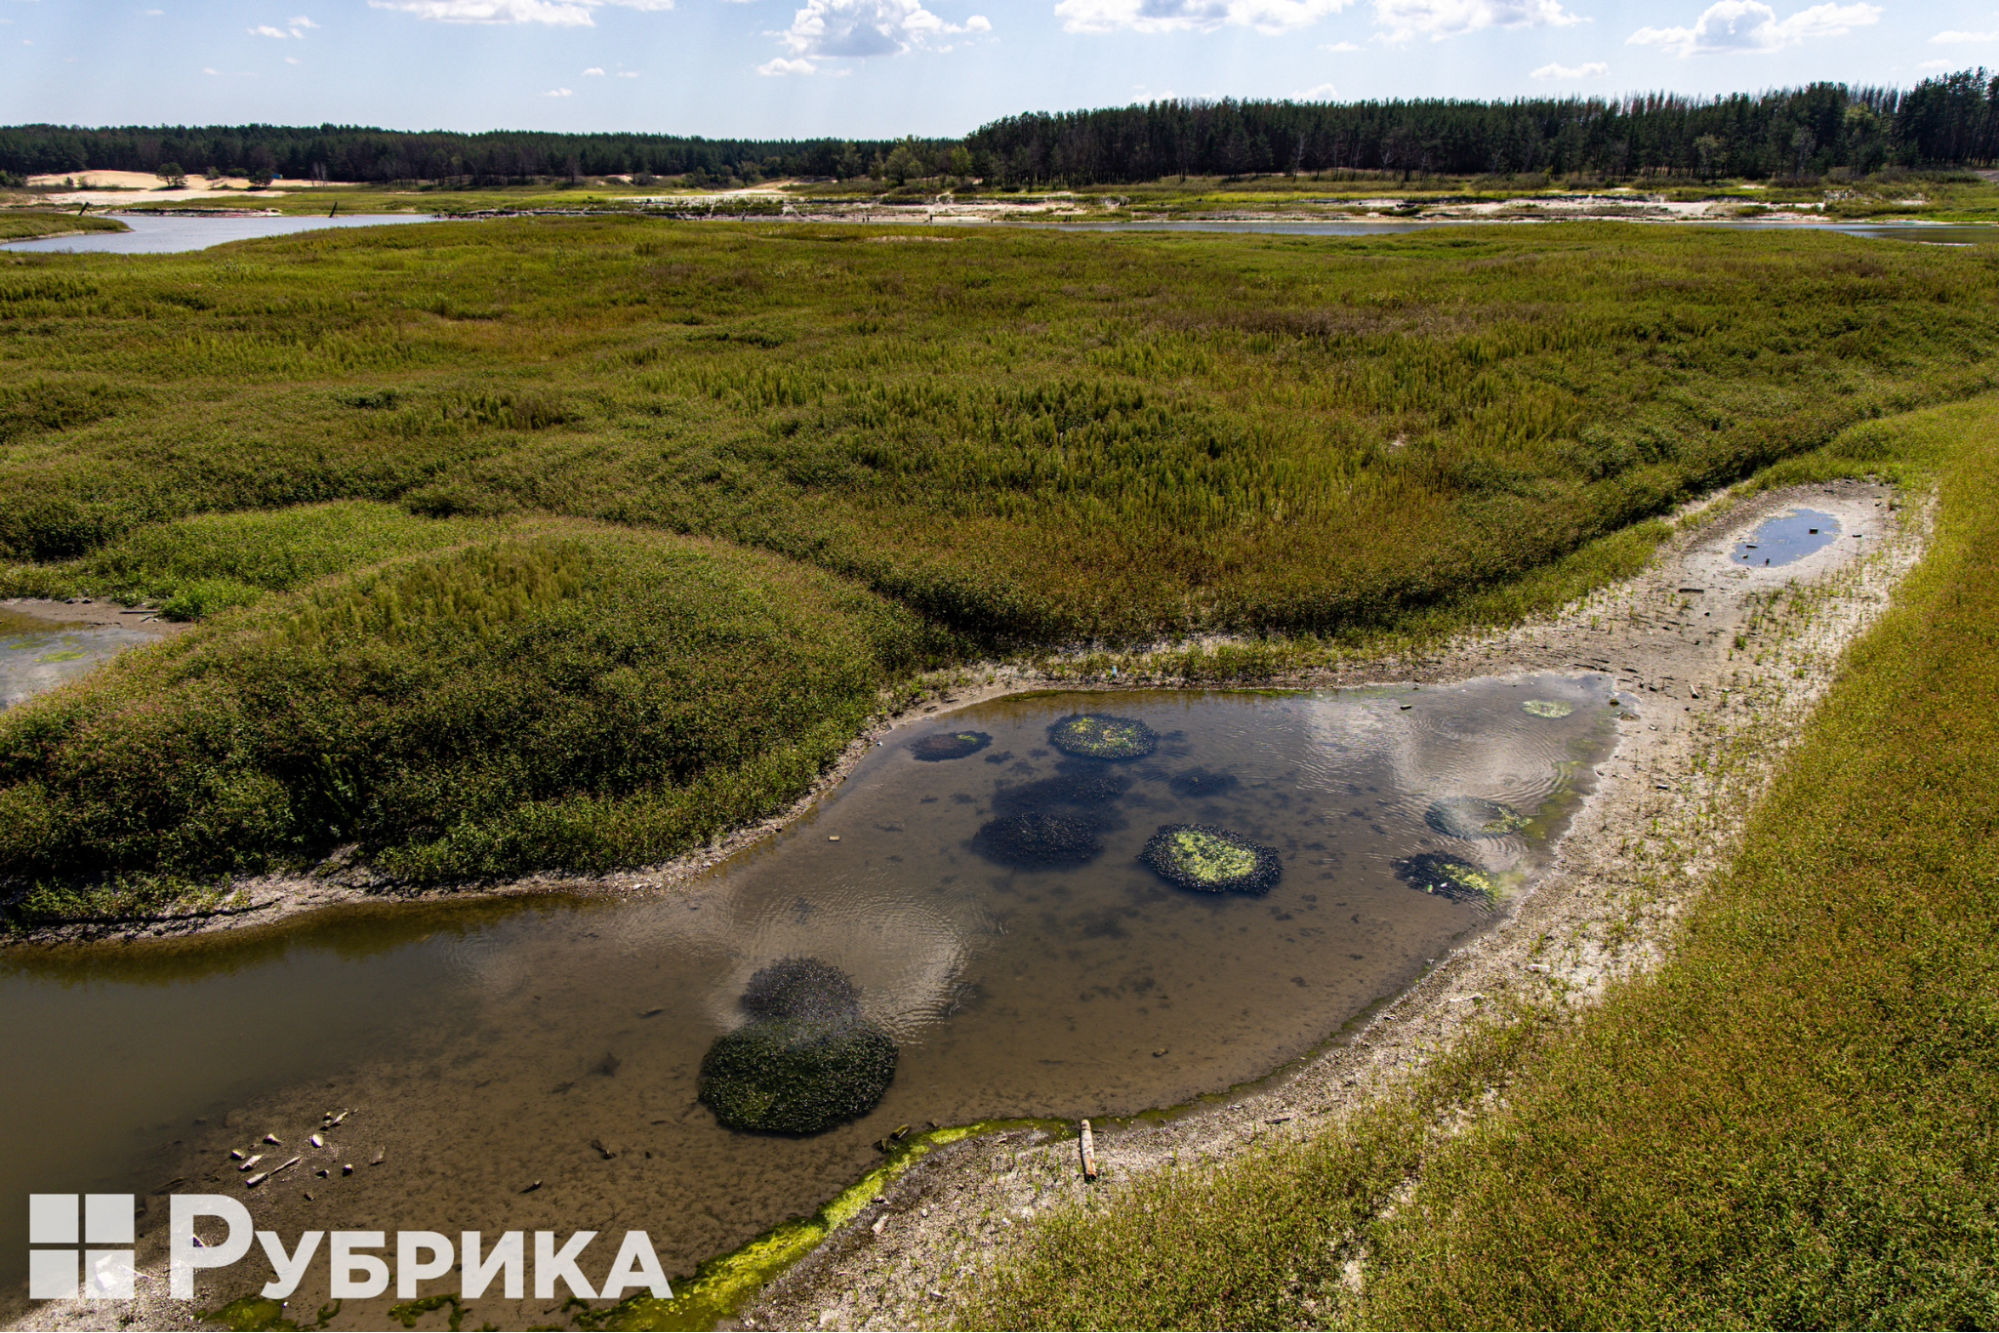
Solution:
(949, 745)
(1098, 736)
(1448, 877)
(805, 1062)
(1473, 817)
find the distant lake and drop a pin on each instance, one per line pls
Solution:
(160, 235)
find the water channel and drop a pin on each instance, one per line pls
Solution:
(486, 1045)
(159, 234)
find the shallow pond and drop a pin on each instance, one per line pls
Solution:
(169, 234)
(38, 655)
(1789, 536)
(485, 1045)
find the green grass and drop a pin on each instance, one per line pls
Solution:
(1030, 437)
(1790, 1124)
(17, 226)
(565, 696)
(194, 567)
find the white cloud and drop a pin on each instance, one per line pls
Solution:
(155, 13)
(1325, 92)
(1955, 38)
(1594, 69)
(1938, 64)
(293, 60)
(593, 73)
(266, 30)
(556, 13)
(1438, 19)
(1340, 48)
(301, 22)
(1268, 16)
(836, 29)
(559, 92)
(779, 67)
(628, 74)
(1747, 26)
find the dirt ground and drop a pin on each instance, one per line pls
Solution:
(1716, 663)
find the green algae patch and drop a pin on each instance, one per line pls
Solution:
(1549, 708)
(948, 745)
(261, 1314)
(1473, 817)
(1211, 860)
(1448, 877)
(409, 1312)
(1101, 736)
(725, 1284)
(797, 1075)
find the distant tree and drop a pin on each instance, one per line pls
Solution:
(902, 163)
(849, 164)
(171, 173)
(959, 163)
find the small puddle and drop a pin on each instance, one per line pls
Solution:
(1788, 537)
(37, 655)
(1038, 967)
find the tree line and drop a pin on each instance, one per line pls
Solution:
(1950, 120)
(356, 153)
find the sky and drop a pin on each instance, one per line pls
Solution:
(880, 68)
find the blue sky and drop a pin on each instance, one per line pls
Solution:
(784, 68)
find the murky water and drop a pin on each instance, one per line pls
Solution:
(1789, 536)
(38, 655)
(485, 1046)
(171, 234)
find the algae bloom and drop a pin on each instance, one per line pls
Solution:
(1449, 878)
(1474, 817)
(1547, 708)
(949, 745)
(1035, 838)
(797, 1075)
(1101, 736)
(1211, 860)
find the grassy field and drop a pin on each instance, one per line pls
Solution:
(1790, 1124)
(25, 226)
(984, 441)
(1028, 437)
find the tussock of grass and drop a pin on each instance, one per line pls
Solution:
(1790, 1124)
(565, 697)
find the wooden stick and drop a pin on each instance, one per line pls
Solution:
(1089, 1144)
